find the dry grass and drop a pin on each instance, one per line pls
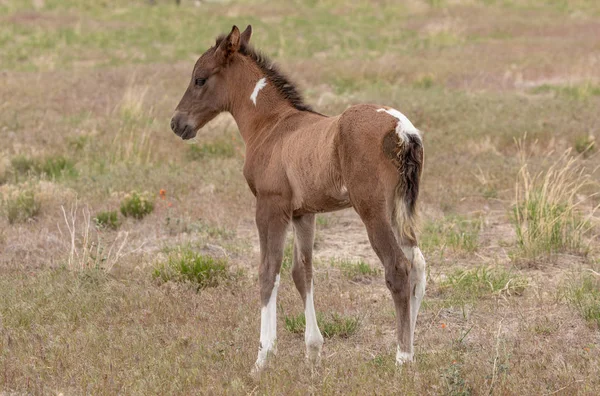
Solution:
(168, 302)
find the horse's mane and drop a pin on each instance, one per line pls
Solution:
(275, 76)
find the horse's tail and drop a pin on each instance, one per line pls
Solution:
(409, 160)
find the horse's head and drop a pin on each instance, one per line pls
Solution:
(206, 95)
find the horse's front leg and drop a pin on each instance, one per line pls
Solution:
(272, 219)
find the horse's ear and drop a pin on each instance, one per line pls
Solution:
(246, 34)
(231, 43)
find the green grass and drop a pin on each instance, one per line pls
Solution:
(454, 232)
(186, 265)
(331, 325)
(585, 144)
(479, 282)
(355, 270)
(546, 216)
(573, 92)
(136, 206)
(108, 219)
(53, 167)
(215, 149)
(22, 207)
(583, 293)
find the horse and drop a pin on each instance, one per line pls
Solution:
(299, 163)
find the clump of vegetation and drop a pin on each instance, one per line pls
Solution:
(585, 145)
(330, 325)
(584, 294)
(188, 266)
(54, 167)
(136, 206)
(22, 207)
(355, 270)
(424, 82)
(216, 149)
(547, 217)
(107, 219)
(455, 232)
(483, 281)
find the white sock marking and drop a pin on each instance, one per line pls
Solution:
(404, 126)
(402, 357)
(268, 327)
(312, 335)
(260, 84)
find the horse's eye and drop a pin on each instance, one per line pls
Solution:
(200, 82)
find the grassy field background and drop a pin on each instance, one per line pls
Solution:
(128, 258)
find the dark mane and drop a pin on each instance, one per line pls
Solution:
(279, 80)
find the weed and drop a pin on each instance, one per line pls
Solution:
(546, 216)
(22, 207)
(455, 382)
(483, 281)
(22, 164)
(331, 325)
(215, 149)
(584, 293)
(355, 270)
(136, 206)
(186, 265)
(108, 219)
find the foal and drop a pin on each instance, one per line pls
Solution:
(300, 162)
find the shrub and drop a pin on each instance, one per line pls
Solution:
(109, 219)
(189, 266)
(57, 167)
(22, 207)
(136, 206)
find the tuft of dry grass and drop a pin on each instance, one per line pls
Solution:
(550, 215)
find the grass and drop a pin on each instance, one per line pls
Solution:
(136, 205)
(355, 270)
(95, 83)
(53, 167)
(454, 232)
(107, 219)
(331, 325)
(548, 217)
(186, 265)
(215, 149)
(583, 293)
(479, 282)
(22, 207)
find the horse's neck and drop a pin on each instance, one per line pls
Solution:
(257, 106)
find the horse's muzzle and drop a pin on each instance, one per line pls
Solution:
(181, 127)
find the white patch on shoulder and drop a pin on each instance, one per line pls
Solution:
(260, 84)
(404, 126)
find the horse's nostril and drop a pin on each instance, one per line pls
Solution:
(173, 125)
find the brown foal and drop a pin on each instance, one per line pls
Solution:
(300, 162)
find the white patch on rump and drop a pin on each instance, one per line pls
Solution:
(260, 84)
(404, 126)
(268, 327)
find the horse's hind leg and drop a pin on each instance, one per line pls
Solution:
(417, 278)
(304, 233)
(376, 214)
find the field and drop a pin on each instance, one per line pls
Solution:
(129, 258)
